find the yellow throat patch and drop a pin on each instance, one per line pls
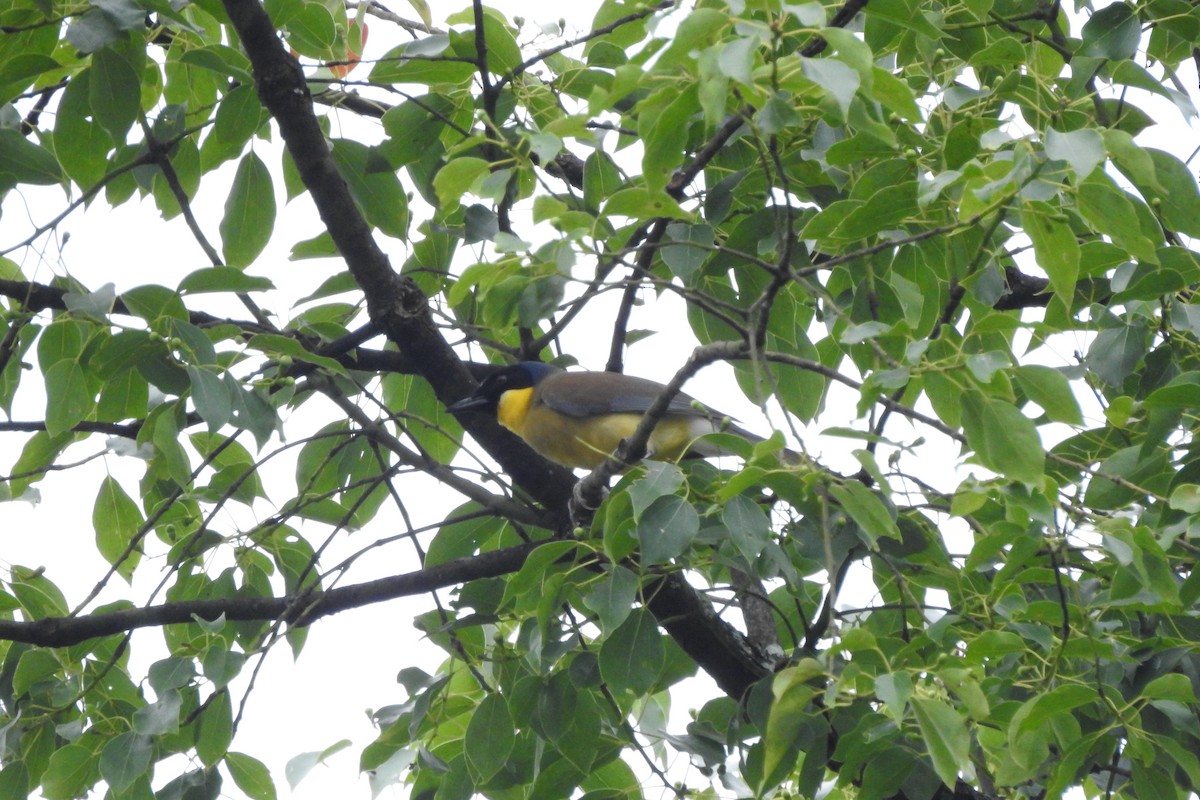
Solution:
(513, 408)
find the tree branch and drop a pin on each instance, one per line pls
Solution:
(298, 610)
(395, 303)
(40, 297)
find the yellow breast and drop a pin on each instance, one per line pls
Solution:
(584, 442)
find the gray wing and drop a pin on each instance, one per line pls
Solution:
(587, 394)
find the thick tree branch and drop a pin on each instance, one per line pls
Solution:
(395, 303)
(299, 609)
(40, 297)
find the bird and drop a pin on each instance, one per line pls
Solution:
(577, 419)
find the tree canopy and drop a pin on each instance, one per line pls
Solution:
(946, 249)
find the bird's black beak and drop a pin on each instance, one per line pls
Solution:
(471, 402)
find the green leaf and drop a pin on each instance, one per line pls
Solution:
(22, 161)
(39, 452)
(238, 118)
(211, 396)
(251, 776)
(19, 72)
(249, 213)
(666, 529)
(395, 67)
(1132, 159)
(220, 60)
(1055, 246)
(1115, 352)
(320, 246)
(885, 209)
(1050, 389)
(839, 81)
(299, 766)
(1113, 212)
(61, 339)
(1154, 782)
(545, 146)
(114, 92)
(422, 9)
(79, 143)
(413, 128)
(894, 689)
(748, 526)
(155, 304)
(502, 50)
(778, 114)
(311, 30)
(456, 179)
(1179, 199)
(375, 187)
(946, 738)
(1110, 488)
(535, 575)
(612, 597)
(829, 218)
(895, 95)
(1004, 439)
(489, 739)
(642, 203)
(198, 784)
(554, 709)
(117, 521)
(694, 245)
(1130, 73)
(480, 223)
(1113, 32)
(601, 179)
(463, 532)
(160, 717)
(96, 305)
(34, 667)
(1170, 687)
(658, 479)
(37, 594)
(69, 397)
(215, 729)
(221, 665)
(792, 693)
(865, 508)
(994, 644)
(14, 780)
(1029, 725)
(422, 416)
(223, 279)
(1186, 498)
(633, 656)
(69, 774)
(171, 673)
(737, 59)
(277, 346)
(1176, 268)
(1082, 149)
(125, 759)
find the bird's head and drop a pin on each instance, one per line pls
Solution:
(524, 375)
